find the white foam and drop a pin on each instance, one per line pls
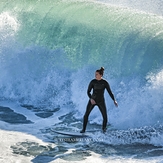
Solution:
(8, 25)
(10, 138)
(137, 102)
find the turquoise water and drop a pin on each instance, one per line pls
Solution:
(89, 33)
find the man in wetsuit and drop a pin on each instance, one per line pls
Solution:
(97, 98)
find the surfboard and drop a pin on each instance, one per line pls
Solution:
(88, 133)
(71, 133)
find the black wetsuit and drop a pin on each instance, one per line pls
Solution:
(98, 87)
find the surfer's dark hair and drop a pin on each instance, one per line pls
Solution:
(101, 71)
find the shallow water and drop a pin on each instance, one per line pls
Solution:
(36, 142)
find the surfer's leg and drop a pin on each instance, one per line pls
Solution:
(102, 107)
(86, 115)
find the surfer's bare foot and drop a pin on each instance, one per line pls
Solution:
(82, 131)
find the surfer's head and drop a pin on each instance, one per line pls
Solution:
(99, 73)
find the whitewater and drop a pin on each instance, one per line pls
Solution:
(49, 51)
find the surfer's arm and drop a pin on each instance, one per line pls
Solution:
(89, 89)
(109, 91)
(111, 94)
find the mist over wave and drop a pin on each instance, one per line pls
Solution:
(150, 6)
(50, 50)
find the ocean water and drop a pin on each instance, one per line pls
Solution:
(49, 51)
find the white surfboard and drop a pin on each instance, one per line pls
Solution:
(71, 133)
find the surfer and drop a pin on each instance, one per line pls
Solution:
(97, 98)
